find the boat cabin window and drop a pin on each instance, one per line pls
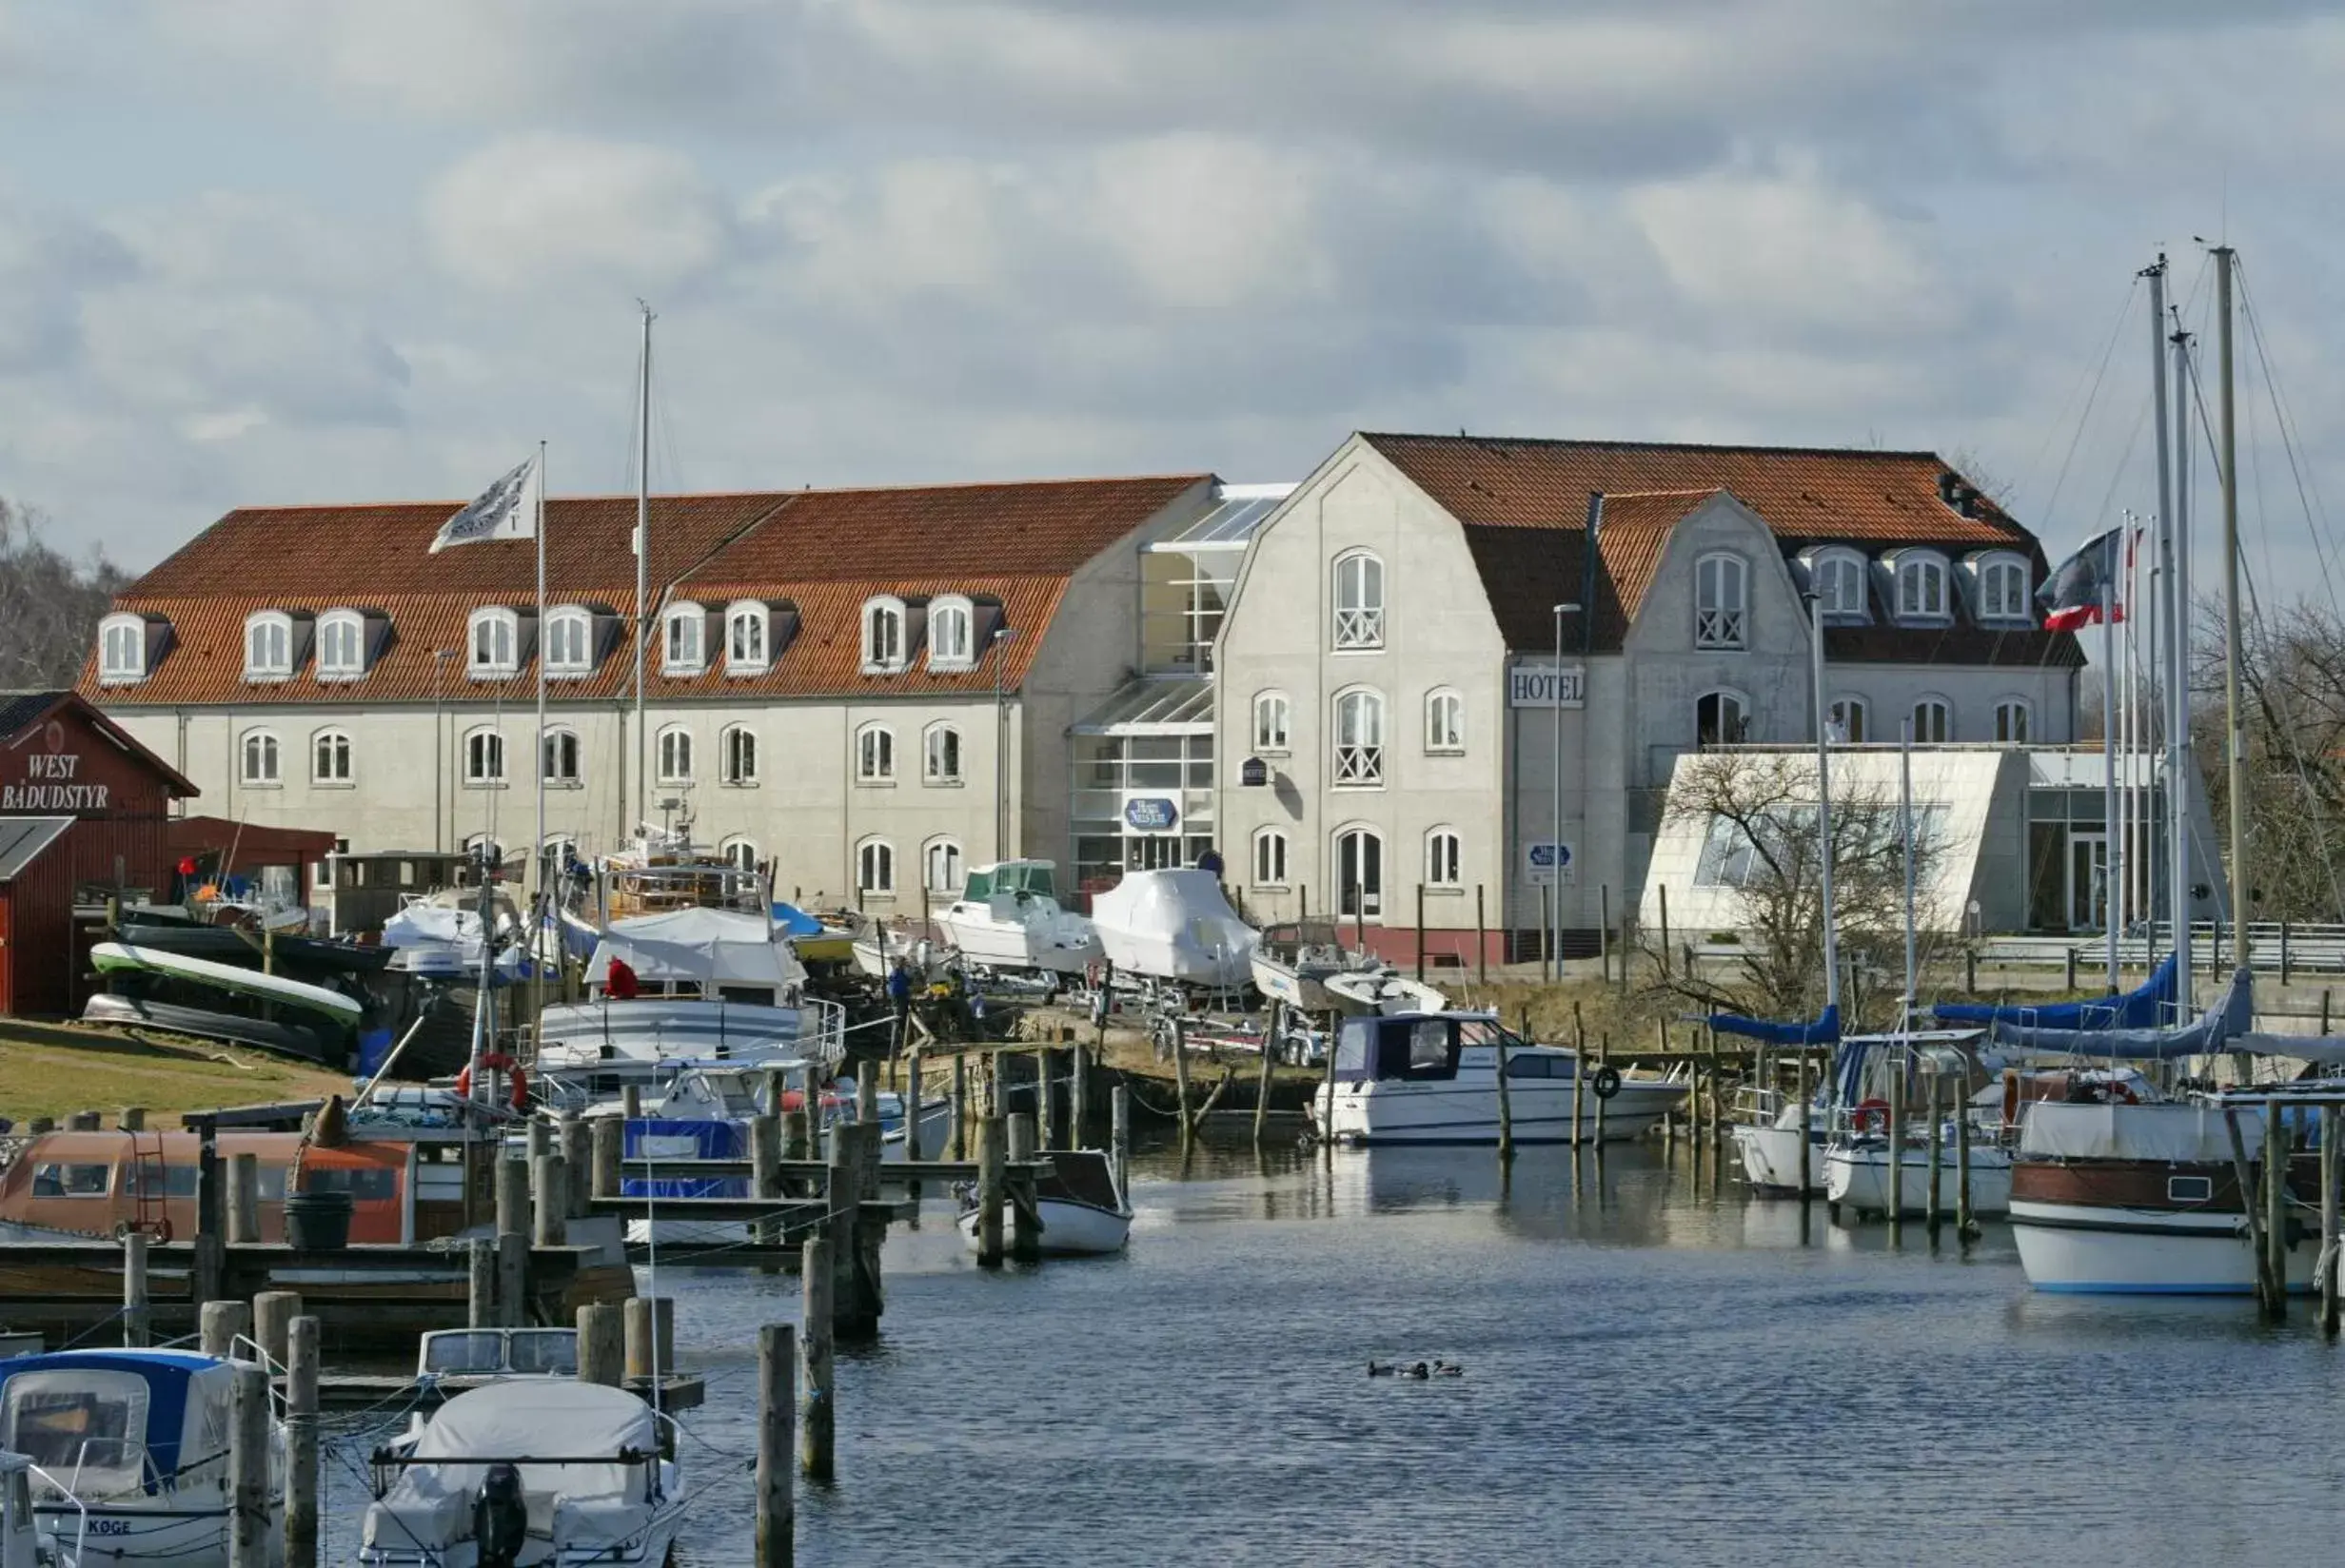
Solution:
(551, 1350)
(470, 1350)
(77, 1181)
(178, 1181)
(761, 996)
(93, 1422)
(369, 1184)
(2190, 1189)
(1537, 1067)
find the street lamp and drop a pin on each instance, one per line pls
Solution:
(1001, 745)
(440, 658)
(1555, 848)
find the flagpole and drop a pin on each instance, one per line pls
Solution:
(643, 570)
(536, 858)
(2110, 849)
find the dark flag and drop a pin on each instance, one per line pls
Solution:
(2071, 598)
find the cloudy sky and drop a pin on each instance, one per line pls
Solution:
(293, 250)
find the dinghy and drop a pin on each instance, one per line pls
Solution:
(123, 957)
(1083, 1214)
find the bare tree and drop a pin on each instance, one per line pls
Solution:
(50, 604)
(1756, 812)
(2292, 678)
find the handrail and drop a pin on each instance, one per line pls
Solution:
(82, 1537)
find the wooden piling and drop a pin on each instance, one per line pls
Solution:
(1579, 1096)
(1046, 1101)
(1929, 1207)
(1180, 1073)
(1482, 939)
(84, 1121)
(631, 1101)
(816, 1425)
(248, 1469)
(648, 1327)
(537, 1139)
(512, 1190)
(1505, 1108)
(273, 1312)
(480, 1283)
(1275, 1031)
(1326, 1094)
(1604, 1059)
(601, 1344)
(221, 1325)
(764, 1172)
(1078, 1095)
(915, 1119)
(2330, 1133)
(1025, 1224)
(550, 1201)
(1897, 1153)
(131, 1119)
(137, 1321)
(960, 1106)
(1663, 887)
(301, 1435)
(609, 1139)
(777, 1404)
(243, 1215)
(845, 1175)
(1420, 933)
(993, 1148)
(2276, 1203)
(2243, 1174)
(1807, 1135)
(1604, 934)
(577, 1159)
(1119, 1139)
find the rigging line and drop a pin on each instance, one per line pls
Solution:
(2307, 486)
(2290, 742)
(626, 476)
(2085, 418)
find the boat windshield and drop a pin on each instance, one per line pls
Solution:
(1489, 1031)
(87, 1426)
(1397, 1047)
(1026, 877)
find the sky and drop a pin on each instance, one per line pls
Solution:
(277, 251)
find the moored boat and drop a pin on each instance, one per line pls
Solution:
(1082, 1213)
(1433, 1078)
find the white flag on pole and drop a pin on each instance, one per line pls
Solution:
(508, 509)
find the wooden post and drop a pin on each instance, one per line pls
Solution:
(1506, 1099)
(513, 1228)
(248, 1469)
(993, 1148)
(2324, 1009)
(819, 1312)
(1180, 1072)
(1119, 1139)
(649, 1323)
(2071, 980)
(1550, 960)
(137, 1322)
(551, 1200)
(1327, 1129)
(480, 1283)
(2248, 1204)
(84, 1121)
(2284, 965)
(1043, 1098)
(609, 1138)
(601, 1344)
(1963, 1227)
(845, 1193)
(631, 1101)
(795, 1139)
(2329, 1132)
(132, 1119)
(1663, 887)
(1420, 932)
(243, 1200)
(764, 1172)
(1482, 939)
(1807, 1133)
(1603, 931)
(1579, 1093)
(538, 1137)
(1929, 1207)
(300, 1436)
(578, 1164)
(2276, 1202)
(777, 1407)
(915, 1105)
(1897, 1153)
(1078, 1094)
(1604, 1059)
(220, 1326)
(1970, 970)
(960, 1106)
(1025, 1230)
(1271, 1035)
(273, 1312)
(512, 1189)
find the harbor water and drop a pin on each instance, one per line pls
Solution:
(1652, 1374)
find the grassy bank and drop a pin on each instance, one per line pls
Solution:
(54, 1069)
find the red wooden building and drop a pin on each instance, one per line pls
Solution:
(84, 810)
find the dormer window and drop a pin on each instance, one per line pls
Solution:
(885, 650)
(569, 642)
(745, 640)
(495, 644)
(122, 650)
(952, 633)
(1921, 590)
(2002, 587)
(268, 646)
(1837, 578)
(687, 626)
(342, 645)
(1722, 601)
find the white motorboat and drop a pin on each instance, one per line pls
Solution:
(131, 1453)
(1855, 1175)
(550, 1470)
(1174, 924)
(1292, 963)
(1382, 989)
(1007, 915)
(1083, 1214)
(1433, 1078)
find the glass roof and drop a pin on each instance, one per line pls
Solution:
(1237, 511)
(1155, 705)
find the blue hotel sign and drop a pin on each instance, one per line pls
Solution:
(1150, 813)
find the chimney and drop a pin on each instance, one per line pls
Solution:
(1588, 574)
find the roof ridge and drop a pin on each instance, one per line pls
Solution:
(756, 492)
(1599, 445)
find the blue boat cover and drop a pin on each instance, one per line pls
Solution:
(1826, 1030)
(170, 1375)
(709, 1140)
(794, 921)
(2231, 1014)
(2145, 1009)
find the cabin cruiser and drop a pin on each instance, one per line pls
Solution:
(1082, 1212)
(1433, 1078)
(1007, 915)
(131, 1450)
(1174, 924)
(536, 1471)
(1293, 962)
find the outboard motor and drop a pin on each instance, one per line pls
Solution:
(501, 1518)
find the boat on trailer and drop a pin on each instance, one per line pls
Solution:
(1009, 916)
(1433, 1078)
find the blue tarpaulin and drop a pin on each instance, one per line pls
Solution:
(1824, 1031)
(2231, 1014)
(2147, 1008)
(794, 921)
(657, 1138)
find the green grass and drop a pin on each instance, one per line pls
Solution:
(54, 1069)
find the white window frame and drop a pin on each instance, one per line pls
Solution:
(1444, 857)
(260, 760)
(120, 635)
(1270, 863)
(947, 650)
(2007, 733)
(271, 633)
(1923, 566)
(741, 852)
(1722, 601)
(2005, 565)
(482, 757)
(570, 622)
(932, 742)
(334, 628)
(1372, 900)
(874, 868)
(1849, 702)
(1841, 567)
(1273, 723)
(1445, 722)
(748, 637)
(342, 777)
(695, 618)
(955, 865)
(891, 655)
(496, 616)
(875, 753)
(671, 758)
(1924, 703)
(1359, 602)
(1743, 708)
(549, 756)
(1360, 761)
(738, 744)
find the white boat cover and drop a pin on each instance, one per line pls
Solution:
(2181, 1133)
(709, 947)
(1177, 924)
(551, 1417)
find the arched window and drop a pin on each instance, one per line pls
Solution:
(1722, 595)
(2013, 726)
(1270, 722)
(941, 864)
(1933, 721)
(1444, 858)
(1849, 721)
(1922, 586)
(1359, 739)
(260, 759)
(268, 645)
(941, 746)
(687, 625)
(875, 755)
(342, 645)
(1722, 719)
(1445, 721)
(1838, 578)
(561, 757)
(569, 642)
(740, 854)
(952, 633)
(1359, 873)
(745, 644)
(495, 644)
(737, 756)
(675, 753)
(122, 649)
(1270, 858)
(329, 757)
(483, 758)
(884, 648)
(1359, 600)
(2003, 588)
(874, 866)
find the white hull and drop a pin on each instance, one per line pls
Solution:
(1069, 1230)
(648, 1548)
(1770, 1157)
(2091, 1251)
(1465, 1111)
(169, 1531)
(1858, 1179)
(1296, 987)
(1385, 993)
(583, 1036)
(1010, 945)
(1162, 958)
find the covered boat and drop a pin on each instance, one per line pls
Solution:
(1174, 924)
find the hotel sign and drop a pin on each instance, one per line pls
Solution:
(1532, 684)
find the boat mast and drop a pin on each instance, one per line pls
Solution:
(1824, 803)
(643, 563)
(2233, 714)
(2163, 604)
(541, 900)
(2112, 852)
(2181, 769)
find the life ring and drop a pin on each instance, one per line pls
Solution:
(1605, 1080)
(496, 1061)
(1870, 1115)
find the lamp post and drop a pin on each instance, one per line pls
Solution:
(998, 643)
(440, 658)
(1824, 799)
(1555, 848)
